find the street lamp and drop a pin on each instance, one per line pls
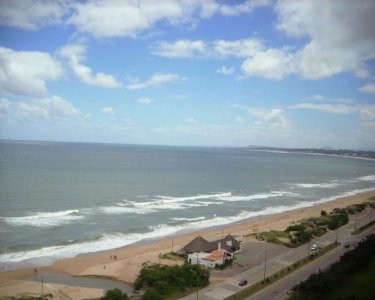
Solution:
(196, 274)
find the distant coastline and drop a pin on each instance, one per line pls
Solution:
(331, 152)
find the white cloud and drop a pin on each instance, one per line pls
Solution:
(155, 80)
(273, 117)
(330, 108)
(240, 120)
(214, 49)
(367, 115)
(111, 18)
(75, 55)
(145, 101)
(368, 88)
(47, 108)
(270, 64)
(108, 110)
(191, 120)
(32, 14)
(225, 70)
(181, 49)
(340, 39)
(26, 72)
(337, 100)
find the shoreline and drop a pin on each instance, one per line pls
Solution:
(131, 257)
(311, 153)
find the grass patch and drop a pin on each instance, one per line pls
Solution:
(174, 256)
(358, 286)
(250, 290)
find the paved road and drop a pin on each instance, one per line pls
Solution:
(255, 274)
(279, 289)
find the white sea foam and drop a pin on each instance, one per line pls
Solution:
(119, 210)
(318, 185)
(367, 178)
(188, 219)
(45, 219)
(233, 198)
(160, 203)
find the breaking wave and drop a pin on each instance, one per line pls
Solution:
(45, 219)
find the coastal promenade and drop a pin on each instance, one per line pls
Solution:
(279, 289)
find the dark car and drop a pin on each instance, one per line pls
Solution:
(243, 282)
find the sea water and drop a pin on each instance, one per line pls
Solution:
(60, 200)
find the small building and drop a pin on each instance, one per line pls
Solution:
(210, 260)
(199, 244)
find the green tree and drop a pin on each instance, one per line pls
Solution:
(115, 294)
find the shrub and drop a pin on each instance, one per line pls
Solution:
(115, 294)
(170, 280)
(151, 294)
(323, 213)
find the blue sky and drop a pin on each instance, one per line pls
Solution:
(200, 73)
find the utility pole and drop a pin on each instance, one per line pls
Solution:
(265, 266)
(42, 285)
(197, 281)
(337, 235)
(308, 249)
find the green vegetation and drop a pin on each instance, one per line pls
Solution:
(163, 282)
(115, 294)
(318, 285)
(358, 286)
(174, 256)
(250, 290)
(305, 230)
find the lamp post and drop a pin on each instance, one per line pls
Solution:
(196, 274)
(265, 266)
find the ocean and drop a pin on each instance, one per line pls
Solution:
(60, 200)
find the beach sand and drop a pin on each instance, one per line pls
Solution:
(130, 258)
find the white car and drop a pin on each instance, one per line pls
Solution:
(314, 247)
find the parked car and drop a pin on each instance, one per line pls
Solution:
(315, 247)
(243, 282)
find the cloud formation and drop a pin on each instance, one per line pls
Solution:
(368, 88)
(108, 110)
(225, 70)
(155, 80)
(145, 101)
(335, 44)
(75, 54)
(273, 117)
(214, 49)
(53, 107)
(32, 14)
(26, 72)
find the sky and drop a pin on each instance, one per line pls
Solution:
(282, 73)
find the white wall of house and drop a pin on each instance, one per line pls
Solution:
(196, 258)
(193, 258)
(212, 264)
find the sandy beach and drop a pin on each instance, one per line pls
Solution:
(129, 259)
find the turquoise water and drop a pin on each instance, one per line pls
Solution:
(63, 199)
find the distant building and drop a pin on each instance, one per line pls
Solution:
(229, 243)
